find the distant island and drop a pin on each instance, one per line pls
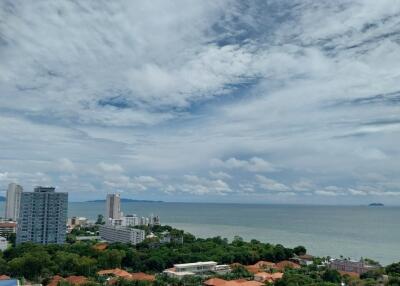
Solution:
(376, 205)
(125, 201)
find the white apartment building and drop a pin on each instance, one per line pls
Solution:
(197, 268)
(134, 220)
(348, 265)
(7, 227)
(113, 207)
(13, 198)
(115, 233)
(3, 243)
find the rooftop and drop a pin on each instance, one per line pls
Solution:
(195, 264)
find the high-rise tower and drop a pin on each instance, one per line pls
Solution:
(14, 192)
(43, 216)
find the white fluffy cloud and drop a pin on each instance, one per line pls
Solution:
(254, 164)
(132, 96)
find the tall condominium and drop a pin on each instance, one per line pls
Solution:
(14, 192)
(43, 216)
(113, 207)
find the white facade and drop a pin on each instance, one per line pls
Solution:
(13, 199)
(348, 265)
(122, 234)
(134, 220)
(113, 207)
(197, 268)
(3, 243)
(43, 216)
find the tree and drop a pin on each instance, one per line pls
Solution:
(300, 250)
(331, 275)
(86, 266)
(111, 258)
(393, 269)
(33, 266)
(100, 219)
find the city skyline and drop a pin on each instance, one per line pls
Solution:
(203, 101)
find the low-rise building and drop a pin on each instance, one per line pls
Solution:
(112, 233)
(167, 237)
(134, 220)
(268, 277)
(305, 259)
(238, 282)
(77, 221)
(348, 265)
(3, 243)
(261, 266)
(119, 273)
(282, 265)
(197, 268)
(7, 227)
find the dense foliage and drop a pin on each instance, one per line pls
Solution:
(39, 263)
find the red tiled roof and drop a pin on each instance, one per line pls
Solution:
(8, 224)
(351, 274)
(54, 282)
(74, 280)
(101, 246)
(4, 277)
(287, 264)
(116, 272)
(263, 264)
(222, 282)
(140, 276)
(270, 277)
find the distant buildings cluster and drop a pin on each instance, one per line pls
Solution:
(120, 228)
(41, 217)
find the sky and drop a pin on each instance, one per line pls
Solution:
(276, 101)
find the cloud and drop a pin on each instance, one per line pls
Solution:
(131, 184)
(196, 185)
(159, 90)
(326, 193)
(110, 168)
(254, 164)
(220, 175)
(270, 184)
(65, 164)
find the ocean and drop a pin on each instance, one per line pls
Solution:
(351, 231)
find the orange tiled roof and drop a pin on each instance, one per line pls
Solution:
(253, 269)
(100, 246)
(262, 264)
(55, 280)
(116, 272)
(215, 282)
(351, 274)
(270, 277)
(76, 280)
(306, 257)
(4, 277)
(222, 282)
(8, 224)
(287, 264)
(140, 276)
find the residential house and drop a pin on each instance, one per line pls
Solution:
(348, 265)
(268, 277)
(239, 282)
(281, 266)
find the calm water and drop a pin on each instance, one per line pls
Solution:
(355, 232)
